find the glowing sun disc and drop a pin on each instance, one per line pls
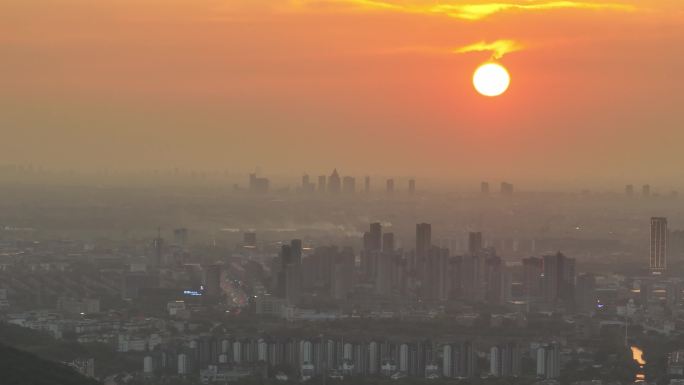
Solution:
(491, 79)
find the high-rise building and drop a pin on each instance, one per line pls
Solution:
(423, 239)
(472, 278)
(658, 249)
(290, 272)
(322, 183)
(484, 188)
(342, 274)
(629, 190)
(559, 279)
(212, 280)
(389, 187)
(183, 364)
(646, 190)
(388, 242)
(548, 361)
(375, 236)
(532, 277)
(158, 249)
(384, 273)
(307, 186)
(585, 293)
(467, 360)
(285, 255)
(258, 185)
(372, 244)
(180, 236)
(506, 188)
(434, 279)
(475, 243)
(505, 360)
(334, 183)
(349, 185)
(293, 272)
(296, 251)
(419, 261)
(412, 186)
(366, 184)
(497, 290)
(293, 278)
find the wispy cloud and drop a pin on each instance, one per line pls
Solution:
(498, 48)
(463, 10)
(480, 11)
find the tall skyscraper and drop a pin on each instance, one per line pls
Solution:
(388, 242)
(646, 190)
(658, 254)
(559, 279)
(629, 190)
(212, 280)
(384, 273)
(389, 188)
(349, 185)
(322, 183)
(158, 249)
(290, 276)
(585, 295)
(475, 244)
(532, 277)
(505, 360)
(506, 188)
(412, 186)
(296, 251)
(548, 361)
(180, 236)
(484, 188)
(497, 277)
(334, 183)
(423, 239)
(366, 184)
(285, 255)
(258, 185)
(307, 186)
(342, 277)
(375, 236)
(372, 244)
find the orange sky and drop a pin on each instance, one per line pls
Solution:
(378, 86)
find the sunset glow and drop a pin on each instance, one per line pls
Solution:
(205, 83)
(464, 10)
(367, 191)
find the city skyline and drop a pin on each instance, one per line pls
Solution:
(322, 192)
(248, 83)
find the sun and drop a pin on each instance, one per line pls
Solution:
(491, 79)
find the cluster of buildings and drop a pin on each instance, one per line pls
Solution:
(645, 191)
(505, 188)
(331, 184)
(427, 273)
(378, 281)
(350, 356)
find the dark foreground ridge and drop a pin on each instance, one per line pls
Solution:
(22, 368)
